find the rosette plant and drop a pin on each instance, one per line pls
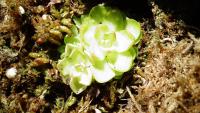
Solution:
(103, 46)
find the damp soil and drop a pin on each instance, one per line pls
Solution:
(165, 78)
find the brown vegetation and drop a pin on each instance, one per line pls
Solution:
(165, 79)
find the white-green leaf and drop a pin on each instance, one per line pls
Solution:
(100, 30)
(87, 20)
(122, 62)
(64, 66)
(124, 40)
(134, 28)
(97, 13)
(86, 77)
(102, 72)
(76, 86)
(90, 43)
(95, 52)
(82, 70)
(115, 20)
(77, 21)
(108, 41)
(87, 34)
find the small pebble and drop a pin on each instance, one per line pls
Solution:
(97, 111)
(11, 72)
(21, 10)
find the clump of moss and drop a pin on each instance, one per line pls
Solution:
(52, 22)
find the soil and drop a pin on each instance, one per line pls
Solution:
(165, 78)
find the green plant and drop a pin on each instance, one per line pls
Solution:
(103, 46)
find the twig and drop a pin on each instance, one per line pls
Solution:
(190, 45)
(134, 101)
(84, 107)
(192, 37)
(190, 27)
(183, 106)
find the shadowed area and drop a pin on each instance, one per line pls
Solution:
(136, 9)
(186, 10)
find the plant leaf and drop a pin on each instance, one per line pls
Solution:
(124, 40)
(134, 28)
(115, 19)
(98, 12)
(103, 73)
(90, 43)
(76, 86)
(122, 62)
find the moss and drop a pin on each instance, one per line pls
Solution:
(166, 77)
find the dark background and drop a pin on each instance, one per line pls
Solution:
(186, 10)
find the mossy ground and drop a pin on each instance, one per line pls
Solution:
(165, 78)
